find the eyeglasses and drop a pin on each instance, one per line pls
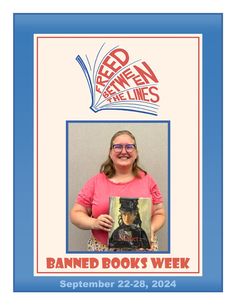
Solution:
(128, 147)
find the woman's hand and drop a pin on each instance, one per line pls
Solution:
(103, 222)
(154, 246)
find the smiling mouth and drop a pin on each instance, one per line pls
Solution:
(124, 157)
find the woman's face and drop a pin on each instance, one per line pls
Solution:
(125, 157)
(128, 217)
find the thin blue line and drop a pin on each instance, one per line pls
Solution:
(138, 108)
(67, 187)
(123, 252)
(86, 56)
(125, 109)
(67, 178)
(134, 109)
(87, 76)
(118, 121)
(96, 61)
(169, 185)
(133, 103)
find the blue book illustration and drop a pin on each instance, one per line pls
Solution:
(117, 82)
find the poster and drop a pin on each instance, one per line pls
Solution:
(82, 81)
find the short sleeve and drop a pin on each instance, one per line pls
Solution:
(155, 192)
(85, 196)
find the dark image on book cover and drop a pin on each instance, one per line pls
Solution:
(131, 230)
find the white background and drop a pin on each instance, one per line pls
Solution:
(7, 8)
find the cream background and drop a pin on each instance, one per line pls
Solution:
(63, 95)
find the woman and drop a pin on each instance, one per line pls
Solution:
(120, 175)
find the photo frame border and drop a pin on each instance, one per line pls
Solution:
(210, 25)
(168, 203)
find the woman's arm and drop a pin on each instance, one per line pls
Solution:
(81, 217)
(158, 219)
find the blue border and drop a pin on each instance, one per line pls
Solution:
(211, 27)
(67, 179)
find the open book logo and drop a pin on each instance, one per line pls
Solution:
(118, 83)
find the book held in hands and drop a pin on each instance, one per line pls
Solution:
(132, 223)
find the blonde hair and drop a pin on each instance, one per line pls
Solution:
(108, 168)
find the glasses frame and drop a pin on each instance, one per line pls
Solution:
(123, 146)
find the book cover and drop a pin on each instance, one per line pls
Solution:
(132, 223)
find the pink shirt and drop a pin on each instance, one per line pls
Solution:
(97, 190)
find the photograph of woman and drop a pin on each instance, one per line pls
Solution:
(120, 175)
